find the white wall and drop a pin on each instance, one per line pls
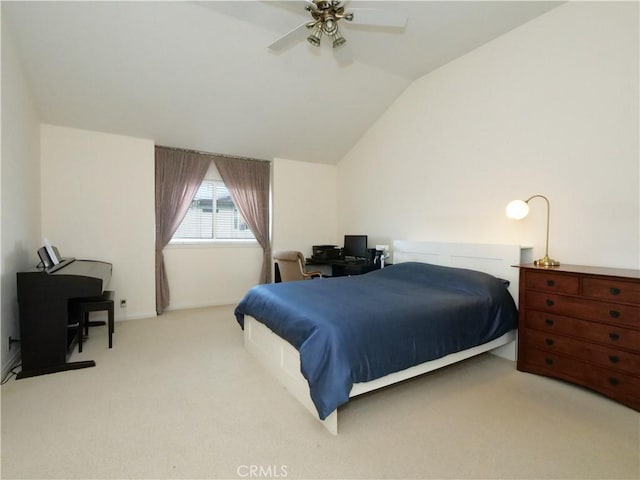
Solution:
(304, 205)
(208, 275)
(20, 189)
(550, 108)
(98, 203)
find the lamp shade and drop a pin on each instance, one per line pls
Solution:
(517, 209)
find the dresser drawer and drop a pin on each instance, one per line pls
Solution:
(584, 308)
(553, 282)
(611, 290)
(611, 336)
(586, 351)
(610, 382)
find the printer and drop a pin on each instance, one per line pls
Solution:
(325, 252)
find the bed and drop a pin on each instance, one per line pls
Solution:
(328, 340)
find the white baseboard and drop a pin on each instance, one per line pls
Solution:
(136, 316)
(124, 316)
(221, 303)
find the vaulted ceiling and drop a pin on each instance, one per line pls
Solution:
(199, 75)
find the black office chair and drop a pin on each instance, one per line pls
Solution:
(80, 308)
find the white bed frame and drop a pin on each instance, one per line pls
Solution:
(283, 360)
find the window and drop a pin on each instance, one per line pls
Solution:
(213, 216)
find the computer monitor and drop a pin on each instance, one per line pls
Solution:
(355, 246)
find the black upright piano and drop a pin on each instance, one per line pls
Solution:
(46, 335)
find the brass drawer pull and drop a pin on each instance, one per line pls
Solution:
(614, 291)
(614, 313)
(614, 381)
(614, 336)
(548, 361)
(549, 302)
(548, 321)
(550, 283)
(614, 358)
(549, 341)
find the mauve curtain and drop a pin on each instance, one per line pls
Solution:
(248, 183)
(178, 177)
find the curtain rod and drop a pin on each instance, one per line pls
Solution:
(198, 152)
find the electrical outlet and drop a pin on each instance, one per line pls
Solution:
(123, 303)
(12, 341)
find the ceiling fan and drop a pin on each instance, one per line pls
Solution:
(327, 15)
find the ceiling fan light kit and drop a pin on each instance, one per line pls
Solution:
(327, 13)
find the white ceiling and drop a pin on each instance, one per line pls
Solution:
(200, 76)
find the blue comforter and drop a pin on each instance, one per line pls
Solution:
(356, 329)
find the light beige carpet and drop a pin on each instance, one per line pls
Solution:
(178, 397)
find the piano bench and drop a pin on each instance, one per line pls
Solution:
(79, 309)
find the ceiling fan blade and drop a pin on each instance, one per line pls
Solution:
(378, 17)
(298, 6)
(290, 38)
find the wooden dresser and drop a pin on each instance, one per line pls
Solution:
(582, 324)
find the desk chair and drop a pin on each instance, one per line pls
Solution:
(80, 308)
(291, 266)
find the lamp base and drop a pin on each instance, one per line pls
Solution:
(546, 262)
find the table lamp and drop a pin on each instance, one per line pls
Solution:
(518, 209)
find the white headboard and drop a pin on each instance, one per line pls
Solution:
(495, 259)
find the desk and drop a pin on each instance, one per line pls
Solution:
(340, 268)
